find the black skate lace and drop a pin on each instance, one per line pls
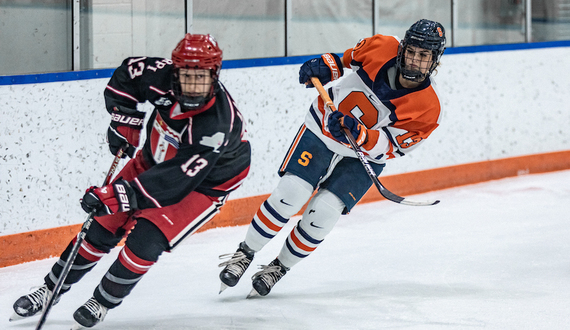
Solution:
(269, 275)
(98, 310)
(237, 263)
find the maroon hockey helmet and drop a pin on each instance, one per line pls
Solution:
(196, 51)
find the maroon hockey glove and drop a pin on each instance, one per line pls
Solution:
(125, 128)
(327, 68)
(358, 131)
(110, 199)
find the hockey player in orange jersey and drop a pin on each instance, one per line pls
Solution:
(388, 103)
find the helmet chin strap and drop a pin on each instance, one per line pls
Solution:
(188, 103)
(412, 75)
(415, 76)
(191, 103)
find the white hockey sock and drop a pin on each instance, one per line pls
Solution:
(286, 200)
(318, 220)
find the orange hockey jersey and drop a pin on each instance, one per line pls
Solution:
(398, 120)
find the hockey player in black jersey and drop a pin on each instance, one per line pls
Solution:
(194, 155)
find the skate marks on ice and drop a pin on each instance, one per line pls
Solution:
(492, 255)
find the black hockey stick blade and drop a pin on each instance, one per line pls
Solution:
(383, 191)
(402, 200)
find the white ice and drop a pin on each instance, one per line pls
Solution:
(494, 255)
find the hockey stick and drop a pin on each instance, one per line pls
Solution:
(76, 246)
(369, 170)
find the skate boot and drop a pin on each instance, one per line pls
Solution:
(235, 266)
(33, 303)
(90, 314)
(266, 278)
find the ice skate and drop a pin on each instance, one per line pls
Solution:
(31, 304)
(264, 280)
(88, 315)
(235, 266)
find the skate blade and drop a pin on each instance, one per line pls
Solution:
(223, 286)
(253, 294)
(16, 317)
(76, 326)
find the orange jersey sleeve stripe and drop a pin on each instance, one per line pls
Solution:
(321, 107)
(373, 136)
(346, 58)
(366, 53)
(419, 113)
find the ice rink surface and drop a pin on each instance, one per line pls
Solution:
(494, 255)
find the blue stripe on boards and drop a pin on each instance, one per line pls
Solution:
(255, 62)
(505, 47)
(53, 77)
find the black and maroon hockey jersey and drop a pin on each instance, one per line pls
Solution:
(203, 150)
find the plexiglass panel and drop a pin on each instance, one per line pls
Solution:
(245, 28)
(485, 22)
(550, 20)
(35, 36)
(395, 17)
(114, 30)
(323, 26)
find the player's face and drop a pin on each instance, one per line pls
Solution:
(418, 59)
(195, 82)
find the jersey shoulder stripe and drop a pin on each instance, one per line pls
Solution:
(366, 55)
(418, 112)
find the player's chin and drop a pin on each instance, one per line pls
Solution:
(195, 95)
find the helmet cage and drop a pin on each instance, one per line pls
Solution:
(190, 102)
(196, 51)
(424, 34)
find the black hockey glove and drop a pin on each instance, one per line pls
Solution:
(110, 199)
(125, 128)
(327, 68)
(358, 131)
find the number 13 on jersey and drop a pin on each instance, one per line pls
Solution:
(194, 165)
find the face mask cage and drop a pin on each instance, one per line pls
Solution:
(415, 75)
(427, 35)
(192, 94)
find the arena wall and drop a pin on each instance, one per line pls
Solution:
(505, 114)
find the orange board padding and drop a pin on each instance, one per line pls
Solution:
(46, 243)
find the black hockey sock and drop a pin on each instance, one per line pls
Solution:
(142, 249)
(98, 242)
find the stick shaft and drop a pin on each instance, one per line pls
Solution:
(76, 246)
(360, 155)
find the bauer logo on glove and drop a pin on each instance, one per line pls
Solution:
(110, 199)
